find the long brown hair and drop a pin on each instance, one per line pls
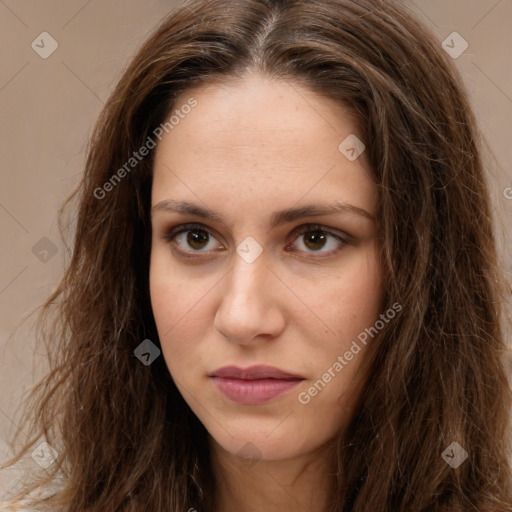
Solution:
(126, 440)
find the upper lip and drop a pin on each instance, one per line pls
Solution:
(253, 373)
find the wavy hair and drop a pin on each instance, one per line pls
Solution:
(125, 437)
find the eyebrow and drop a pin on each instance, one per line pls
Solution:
(278, 218)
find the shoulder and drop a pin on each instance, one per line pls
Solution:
(19, 506)
(27, 503)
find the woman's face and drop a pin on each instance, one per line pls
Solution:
(234, 280)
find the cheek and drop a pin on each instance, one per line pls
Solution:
(349, 304)
(169, 301)
(182, 311)
(351, 298)
(172, 293)
(362, 292)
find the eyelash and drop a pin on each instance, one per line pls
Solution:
(302, 230)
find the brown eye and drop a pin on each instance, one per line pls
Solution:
(197, 238)
(192, 238)
(313, 239)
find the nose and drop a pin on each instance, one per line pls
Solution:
(250, 308)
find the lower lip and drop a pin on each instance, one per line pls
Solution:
(253, 392)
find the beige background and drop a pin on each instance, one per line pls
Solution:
(48, 107)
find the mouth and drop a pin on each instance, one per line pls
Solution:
(254, 385)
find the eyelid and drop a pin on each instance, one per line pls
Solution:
(343, 237)
(169, 235)
(343, 240)
(306, 228)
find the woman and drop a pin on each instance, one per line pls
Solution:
(283, 293)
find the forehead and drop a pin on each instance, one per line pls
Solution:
(266, 113)
(259, 134)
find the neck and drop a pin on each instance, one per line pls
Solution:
(303, 483)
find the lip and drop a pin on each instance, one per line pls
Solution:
(254, 372)
(254, 385)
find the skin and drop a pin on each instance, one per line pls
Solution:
(249, 148)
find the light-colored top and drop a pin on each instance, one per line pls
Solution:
(19, 506)
(26, 504)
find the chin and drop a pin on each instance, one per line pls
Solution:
(250, 443)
